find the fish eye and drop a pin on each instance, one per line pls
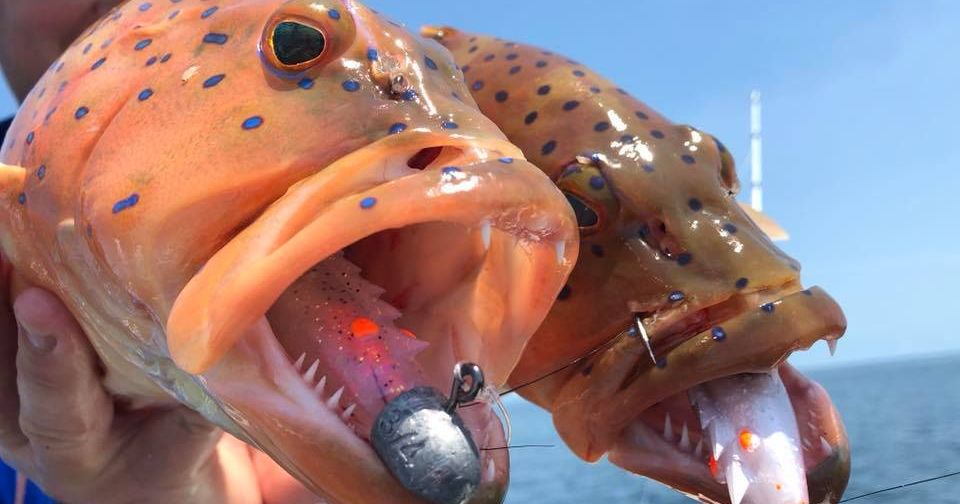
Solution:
(297, 45)
(587, 218)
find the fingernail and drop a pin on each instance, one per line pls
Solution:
(42, 343)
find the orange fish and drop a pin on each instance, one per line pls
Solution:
(220, 191)
(676, 285)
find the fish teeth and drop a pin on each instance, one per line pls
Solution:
(685, 438)
(561, 249)
(667, 428)
(737, 482)
(698, 451)
(311, 372)
(491, 471)
(349, 411)
(832, 345)
(485, 229)
(334, 401)
(299, 363)
(825, 445)
(318, 390)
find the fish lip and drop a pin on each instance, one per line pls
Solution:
(541, 218)
(229, 296)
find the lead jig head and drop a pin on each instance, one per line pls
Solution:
(424, 443)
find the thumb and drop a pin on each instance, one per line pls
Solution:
(64, 411)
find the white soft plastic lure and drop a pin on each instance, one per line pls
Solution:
(755, 439)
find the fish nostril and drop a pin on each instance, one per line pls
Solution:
(424, 158)
(656, 235)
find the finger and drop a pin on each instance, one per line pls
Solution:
(64, 411)
(11, 439)
(277, 486)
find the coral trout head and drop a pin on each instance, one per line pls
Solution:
(307, 203)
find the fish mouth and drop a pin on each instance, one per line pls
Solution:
(642, 414)
(371, 277)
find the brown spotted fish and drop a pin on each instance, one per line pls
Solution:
(283, 214)
(676, 286)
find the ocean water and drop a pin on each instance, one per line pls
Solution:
(903, 419)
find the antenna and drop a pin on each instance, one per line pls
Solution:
(756, 152)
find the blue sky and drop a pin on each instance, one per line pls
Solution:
(860, 118)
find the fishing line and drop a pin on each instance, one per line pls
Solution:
(519, 446)
(905, 485)
(607, 344)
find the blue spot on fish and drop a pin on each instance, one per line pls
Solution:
(506, 160)
(409, 95)
(368, 202)
(657, 134)
(173, 14)
(213, 80)
(597, 182)
(695, 204)
(570, 105)
(305, 83)
(81, 112)
(449, 125)
(769, 308)
(477, 85)
(687, 158)
(144, 7)
(450, 170)
(531, 117)
(543, 90)
(501, 96)
(684, 259)
(742, 283)
(128, 202)
(730, 228)
(145, 94)
(143, 44)
(152, 60)
(541, 64)
(334, 14)
(548, 147)
(209, 12)
(676, 297)
(601, 126)
(99, 63)
(22, 198)
(578, 73)
(42, 172)
(397, 128)
(350, 85)
(515, 70)
(373, 54)
(30, 138)
(87, 48)
(641, 115)
(215, 38)
(432, 65)
(718, 333)
(252, 123)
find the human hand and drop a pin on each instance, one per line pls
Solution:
(61, 429)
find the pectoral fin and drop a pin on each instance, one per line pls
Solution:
(766, 223)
